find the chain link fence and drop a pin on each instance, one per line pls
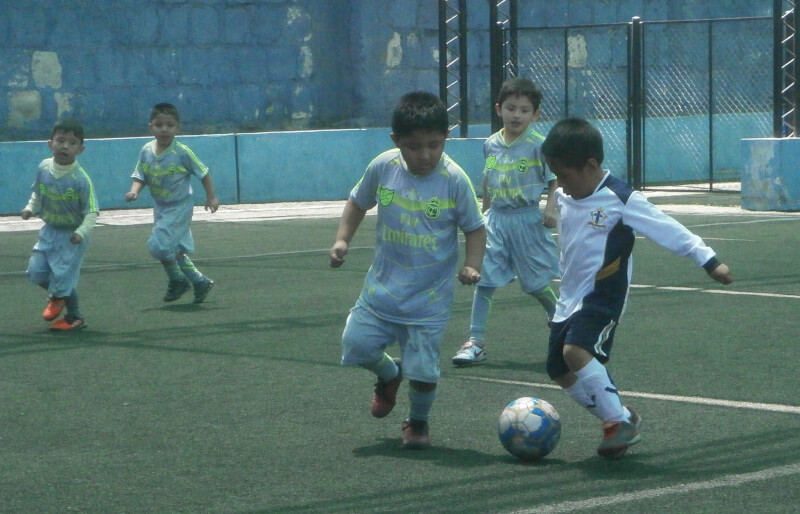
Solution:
(706, 85)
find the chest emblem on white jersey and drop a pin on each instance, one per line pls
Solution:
(598, 218)
(523, 166)
(385, 195)
(432, 210)
(491, 161)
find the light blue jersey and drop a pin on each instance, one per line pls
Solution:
(168, 175)
(65, 200)
(55, 262)
(412, 277)
(515, 174)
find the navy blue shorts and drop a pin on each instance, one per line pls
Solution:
(592, 331)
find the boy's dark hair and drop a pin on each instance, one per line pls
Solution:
(574, 141)
(521, 87)
(419, 110)
(165, 108)
(73, 126)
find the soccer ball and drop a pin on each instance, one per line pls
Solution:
(529, 428)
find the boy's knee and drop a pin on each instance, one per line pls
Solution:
(40, 278)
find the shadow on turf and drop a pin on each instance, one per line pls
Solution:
(444, 456)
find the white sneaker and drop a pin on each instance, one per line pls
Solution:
(470, 353)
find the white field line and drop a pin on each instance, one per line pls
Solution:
(769, 407)
(648, 494)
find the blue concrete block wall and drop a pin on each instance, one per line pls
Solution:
(235, 67)
(770, 181)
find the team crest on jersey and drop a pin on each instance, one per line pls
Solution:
(490, 162)
(173, 169)
(522, 167)
(386, 196)
(432, 210)
(598, 218)
(70, 195)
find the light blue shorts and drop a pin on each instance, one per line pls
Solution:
(366, 337)
(55, 262)
(172, 234)
(518, 245)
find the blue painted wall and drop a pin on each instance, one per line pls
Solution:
(236, 66)
(261, 74)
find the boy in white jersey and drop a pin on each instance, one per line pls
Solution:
(598, 216)
(423, 199)
(166, 166)
(519, 242)
(63, 196)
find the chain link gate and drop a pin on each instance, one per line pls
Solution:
(702, 90)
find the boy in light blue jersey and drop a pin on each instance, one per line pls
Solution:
(423, 199)
(519, 243)
(63, 196)
(166, 166)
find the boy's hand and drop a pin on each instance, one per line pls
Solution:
(549, 218)
(469, 276)
(212, 204)
(337, 253)
(722, 274)
(76, 238)
(26, 214)
(130, 196)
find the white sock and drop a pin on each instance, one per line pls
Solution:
(596, 382)
(577, 393)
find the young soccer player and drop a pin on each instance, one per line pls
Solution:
(599, 215)
(63, 196)
(519, 242)
(167, 167)
(423, 199)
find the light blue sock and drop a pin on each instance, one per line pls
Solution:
(189, 270)
(386, 368)
(421, 404)
(481, 307)
(547, 297)
(73, 308)
(174, 272)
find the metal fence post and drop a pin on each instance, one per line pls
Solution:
(634, 125)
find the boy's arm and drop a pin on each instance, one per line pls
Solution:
(549, 215)
(474, 247)
(485, 200)
(34, 205)
(212, 203)
(86, 227)
(136, 187)
(351, 219)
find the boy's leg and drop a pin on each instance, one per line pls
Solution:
(178, 283)
(73, 319)
(472, 351)
(547, 298)
(420, 349)
(202, 284)
(587, 381)
(416, 434)
(364, 341)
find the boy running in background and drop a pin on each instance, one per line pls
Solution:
(519, 242)
(423, 199)
(599, 216)
(63, 196)
(167, 167)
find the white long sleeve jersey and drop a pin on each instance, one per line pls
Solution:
(596, 236)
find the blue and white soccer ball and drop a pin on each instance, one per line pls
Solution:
(529, 428)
